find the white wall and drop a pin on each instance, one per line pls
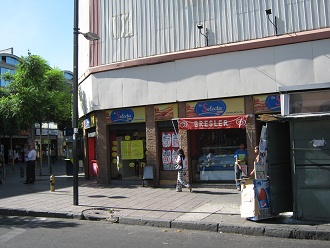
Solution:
(250, 72)
(134, 29)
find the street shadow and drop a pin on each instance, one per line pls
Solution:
(13, 222)
(13, 183)
(214, 193)
(117, 210)
(111, 197)
(289, 220)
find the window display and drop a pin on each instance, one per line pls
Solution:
(217, 163)
(170, 146)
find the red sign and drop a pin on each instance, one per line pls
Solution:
(216, 122)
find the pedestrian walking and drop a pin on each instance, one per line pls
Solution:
(30, 166)
(181, 160)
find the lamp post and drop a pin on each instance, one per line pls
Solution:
(89, 36)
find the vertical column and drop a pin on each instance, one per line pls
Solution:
(151, 142)
(251, 141)
(102, 144)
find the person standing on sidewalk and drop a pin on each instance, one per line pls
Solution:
(181, 159)
(241, 156)
(31, 164)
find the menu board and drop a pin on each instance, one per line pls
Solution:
(170, 147)
(131, 149)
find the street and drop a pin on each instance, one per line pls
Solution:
(46, 232)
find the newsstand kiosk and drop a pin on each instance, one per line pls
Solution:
(255, 195)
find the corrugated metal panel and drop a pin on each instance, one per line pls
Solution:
(134, 29)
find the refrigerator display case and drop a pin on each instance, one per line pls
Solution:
(217, 163)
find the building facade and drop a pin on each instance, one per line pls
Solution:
(201, 75)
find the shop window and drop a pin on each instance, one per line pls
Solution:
(310, 102)
(213, 160)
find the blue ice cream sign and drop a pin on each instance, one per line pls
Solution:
(273, 103)
(122, 116)
(210, 108)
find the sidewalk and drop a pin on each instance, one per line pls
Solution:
(211, 208)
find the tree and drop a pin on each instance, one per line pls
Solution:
(40, 95)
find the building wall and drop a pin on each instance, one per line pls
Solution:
(136, 29)
(131, 30)
(237, 73)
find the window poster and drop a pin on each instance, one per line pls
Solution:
(170, 147)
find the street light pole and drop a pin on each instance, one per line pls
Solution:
(75, 103)
(89, 36)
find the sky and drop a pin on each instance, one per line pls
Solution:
(43, 27)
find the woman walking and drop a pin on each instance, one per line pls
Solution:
(181, 159)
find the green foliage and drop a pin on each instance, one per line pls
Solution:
(36, 93)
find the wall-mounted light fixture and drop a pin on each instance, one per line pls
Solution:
(269, 12)
(206, 35)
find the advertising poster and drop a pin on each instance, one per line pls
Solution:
(267, 104)
(170, 146)
(262, 196)
(131, 149)
(166, 112)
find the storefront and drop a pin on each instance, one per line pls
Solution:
(127, 143)
(213, 142)
(214, 130)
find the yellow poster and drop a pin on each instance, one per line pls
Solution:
(166, 111)
(131, 149)
(217, 107)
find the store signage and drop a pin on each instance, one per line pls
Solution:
(210, 108)
(219, 107)
(89, 122)
(46, 131)
(129, 115)
(267, 104)
(122, 115)
(220, 122)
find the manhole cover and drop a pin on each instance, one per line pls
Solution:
(99, 214)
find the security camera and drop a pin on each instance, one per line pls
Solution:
(268, 11)
(199, 26)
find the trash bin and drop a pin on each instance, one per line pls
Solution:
(69, 167)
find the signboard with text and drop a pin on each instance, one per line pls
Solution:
(216, 122)
(217, 107)
(128, 115)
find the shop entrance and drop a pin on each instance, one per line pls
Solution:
(279, 164)
(127, 152)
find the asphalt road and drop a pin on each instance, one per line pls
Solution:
(31, 232)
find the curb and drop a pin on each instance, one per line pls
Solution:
(197, 226)
(22, 212)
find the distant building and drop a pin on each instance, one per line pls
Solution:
(8, 61)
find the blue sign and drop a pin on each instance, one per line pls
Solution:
(273, 103)
(210, 108)
(122, 116)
